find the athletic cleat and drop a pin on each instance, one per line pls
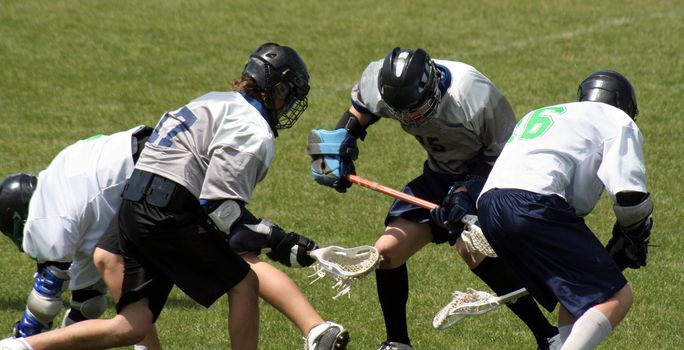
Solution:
(28, 325)
(327, 336)
(553, 343)
(390, 345)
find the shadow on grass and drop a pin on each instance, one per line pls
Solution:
(15, 304)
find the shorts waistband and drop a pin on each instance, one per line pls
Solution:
(158, 191)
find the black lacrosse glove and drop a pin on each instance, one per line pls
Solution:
(454, 207)
(629, 247)
(290, 249)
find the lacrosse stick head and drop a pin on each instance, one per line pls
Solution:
(344, 265)
(464, 304)
(473, 237)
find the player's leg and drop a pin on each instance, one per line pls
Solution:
(109, 263)
(597, 323)
(494, 273)
(111, 268)
(243, 314)
(45, 299)
(280, 291)
(558, 259)
(401, 240)
(87, 303)
(127, 328)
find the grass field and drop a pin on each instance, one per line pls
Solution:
(71, 69)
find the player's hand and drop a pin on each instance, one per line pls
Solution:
(291, 249)
(629, 247)
(455, 205)
(332, 157)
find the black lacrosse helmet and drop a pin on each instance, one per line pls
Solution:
(609, 87)
(280, 72)
(409, 85)
(15, 194)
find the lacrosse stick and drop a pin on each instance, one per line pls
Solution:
(472, 234)
(344, 265)
(472, 303)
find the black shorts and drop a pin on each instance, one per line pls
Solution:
(109, 240)
(429, 186)
(167, 246)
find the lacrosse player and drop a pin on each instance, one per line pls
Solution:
(187, 196)
(462, 121)
(550, 174)
(57, 219)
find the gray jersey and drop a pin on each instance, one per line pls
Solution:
(218, 146)
(472, 123)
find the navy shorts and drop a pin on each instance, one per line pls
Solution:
(550, 249)
(167, 246)
(429, 186)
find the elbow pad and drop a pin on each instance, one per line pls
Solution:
(225, 214)
(630, 215)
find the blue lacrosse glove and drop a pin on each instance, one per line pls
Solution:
(629, 247)
(332, 157)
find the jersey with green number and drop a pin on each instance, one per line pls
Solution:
(574, 150)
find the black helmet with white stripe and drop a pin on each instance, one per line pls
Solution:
(409, 86)
(609, 87)
(282, 74)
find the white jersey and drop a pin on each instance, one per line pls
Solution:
(75, 199)
(473, 120)
(574, 150)
(218, 146)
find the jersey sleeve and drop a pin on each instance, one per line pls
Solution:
(499, 122)
(365, 95)
(240, 155)
(623, 167)
(232, 175)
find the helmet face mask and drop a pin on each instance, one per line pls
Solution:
(609, 87)
(281, 73)
(409, 86)
(15, 194)
(417, 116)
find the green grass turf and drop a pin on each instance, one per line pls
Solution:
(71, 69)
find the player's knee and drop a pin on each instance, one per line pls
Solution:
(86, 304)
(248, 286)
(391, 258)
(107, 261)
(127, 333)
(624, 297)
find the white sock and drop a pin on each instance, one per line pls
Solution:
(564, 332)
(15, 344)
(139, 347)
(588, 331)
(26, 344)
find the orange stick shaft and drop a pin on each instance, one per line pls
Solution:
(391, 192)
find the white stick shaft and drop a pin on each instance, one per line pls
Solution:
(513, 295)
